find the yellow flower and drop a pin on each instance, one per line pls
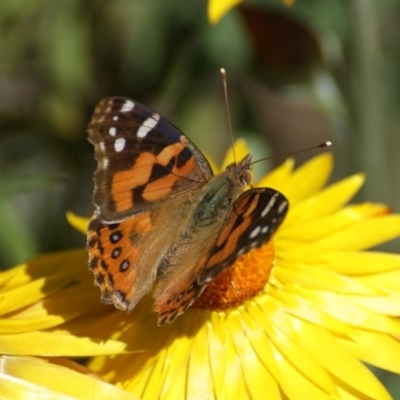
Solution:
(327, 305)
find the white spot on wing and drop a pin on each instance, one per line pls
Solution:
(104, 163)
(115, 118)
(112, 131)
(265, 229)
(255, 232)
(148, 125)
(128, 106)
(282, 207)
(119, 144)
(269, 205)
(102, 146)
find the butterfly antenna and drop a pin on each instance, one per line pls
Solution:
(228, 114)
(324, 144)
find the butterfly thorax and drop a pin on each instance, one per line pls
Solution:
(221, 191)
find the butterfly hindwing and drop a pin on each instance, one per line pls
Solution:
(125, 256)
(142, 159)
(255, 216)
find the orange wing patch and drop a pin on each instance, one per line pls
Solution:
(113, 255)
(160, 188)
(142, 223)
(246, 207)
(171, 151)
(123, 182)
(231, 238)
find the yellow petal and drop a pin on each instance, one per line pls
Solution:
(347, 262)
(177, 363)
(15, 388)
(143, 382)
(57, 344)
(338, 360)
(304, 309)
(294, 384)
(344, 309)
(217, 9)
(388, 304)
(278, 177)
(257, 377)
(389, 281)
(154, 385)
(79, 223)
(362, 235)
(53, 310)
(375, 348)
(321, 279)
(290, 348)
(309, 178)
(40, 267)
(313, 230)
(216, 349)
(199, 374)
(326, 202)
(58, 379)
(37, 289)
(235, 386)
(261, 345)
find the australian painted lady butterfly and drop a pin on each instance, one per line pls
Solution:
(162, 215)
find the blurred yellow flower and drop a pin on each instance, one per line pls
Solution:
(327, 305)
(216, 9)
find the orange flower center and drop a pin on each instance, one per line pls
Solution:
(242, 281)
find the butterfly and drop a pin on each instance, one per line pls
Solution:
(161, 216)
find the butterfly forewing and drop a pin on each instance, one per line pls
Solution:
(142, 159)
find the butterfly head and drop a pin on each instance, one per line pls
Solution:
(242, 170)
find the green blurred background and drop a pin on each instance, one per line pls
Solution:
(319, 70)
